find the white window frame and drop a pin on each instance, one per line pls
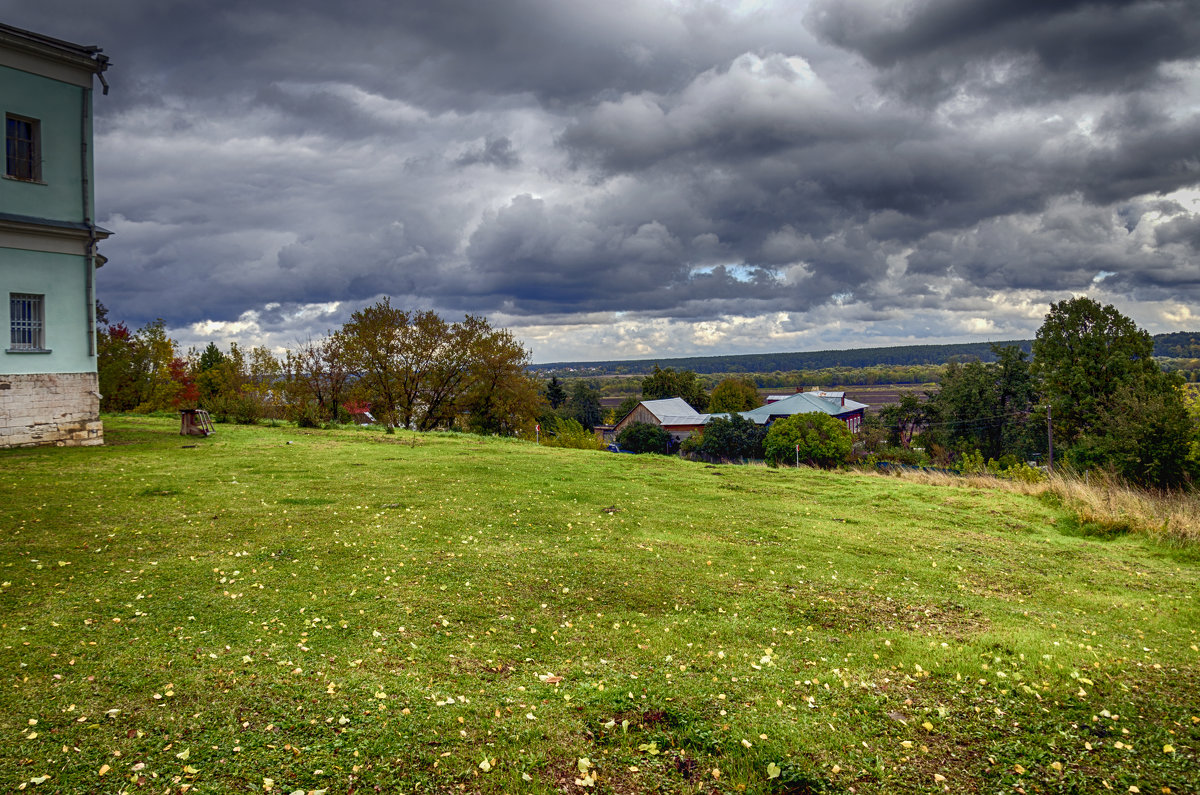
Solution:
(27, 323)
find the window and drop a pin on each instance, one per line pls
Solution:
(28, 328)
(22, 155)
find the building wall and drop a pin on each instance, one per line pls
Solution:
(49, 397)
(681, 432)
(55, 408)
(640, 414)
(60, 278)
(58, 106)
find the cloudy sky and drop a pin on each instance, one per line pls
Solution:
(627, 178)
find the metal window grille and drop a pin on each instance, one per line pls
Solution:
(27, 322)
(20, 148)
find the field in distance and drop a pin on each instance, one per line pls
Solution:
(271, 609)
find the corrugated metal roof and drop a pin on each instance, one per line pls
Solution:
(847, 403)
(802, 403)
(684, 419)
(678, 409)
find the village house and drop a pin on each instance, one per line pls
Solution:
(680, 420)
(48, 258)
(835, 404)
(673, 415)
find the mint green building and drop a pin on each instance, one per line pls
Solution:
(48, 236)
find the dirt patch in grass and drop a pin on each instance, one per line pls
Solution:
(488, 671)
(610, 777)
(856, 611)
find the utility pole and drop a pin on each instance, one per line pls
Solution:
(1050, 438)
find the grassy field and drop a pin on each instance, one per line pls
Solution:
(277, 610)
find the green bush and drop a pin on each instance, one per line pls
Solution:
(306, 415)
(733, 438)
(1023, 473)
(901, 455)
(823, 441)
(642, 437)
(972, 463)
(247, 410)
(567, 432)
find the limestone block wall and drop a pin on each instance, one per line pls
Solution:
(62, 409)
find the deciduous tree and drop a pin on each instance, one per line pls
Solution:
(1084, 354)
(1147, 438)
(734, 394)
(734, 438)
(671, 383)
(642, 437)
(316, 373)
(503, 397)
(984, 407)
(372, 346)
(823, 440)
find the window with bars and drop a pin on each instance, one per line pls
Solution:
(27, 322)
(22, 158)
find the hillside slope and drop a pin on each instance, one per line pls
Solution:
(350, 610)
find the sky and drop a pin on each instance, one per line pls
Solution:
(640, 178)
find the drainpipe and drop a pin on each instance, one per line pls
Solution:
(85, 123)
(89, 259)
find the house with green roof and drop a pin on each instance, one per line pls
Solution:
(835, 404)
(680, 420)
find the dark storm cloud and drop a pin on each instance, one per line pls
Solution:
(496, 152)
(1023, 47)
(455, 53)
(551, 161)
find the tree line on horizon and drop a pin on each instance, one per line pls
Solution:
(904, 364)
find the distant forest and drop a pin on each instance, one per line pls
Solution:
(1178, 345)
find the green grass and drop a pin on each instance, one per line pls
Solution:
(348, 610)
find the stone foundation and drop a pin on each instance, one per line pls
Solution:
(62, 409)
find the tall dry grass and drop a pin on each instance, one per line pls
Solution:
(1106, 502)
(1173, 517)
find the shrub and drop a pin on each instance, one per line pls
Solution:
(567, 432)
(642, 437)
(246, 410)
(823, 440)
(306, 415)
(733, 438)
(901, 455)
(1023, 473)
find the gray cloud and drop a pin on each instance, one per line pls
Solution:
(496, 152)
(640, 163)
(931, 50)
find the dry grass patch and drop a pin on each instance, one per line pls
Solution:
(1101, 502)
(1168, 516)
